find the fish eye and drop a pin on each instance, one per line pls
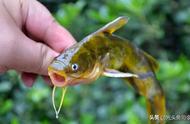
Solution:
(74, 67)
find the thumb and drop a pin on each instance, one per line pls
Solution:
(30, 56)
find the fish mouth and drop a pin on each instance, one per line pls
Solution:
(61, 79)
(58, 78)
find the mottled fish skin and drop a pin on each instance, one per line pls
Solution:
(126, 57)
(114, 52)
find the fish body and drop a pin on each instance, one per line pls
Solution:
(103, 53)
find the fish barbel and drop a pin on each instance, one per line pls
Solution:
(105, 54)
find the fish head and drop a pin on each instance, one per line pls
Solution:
(74, 66)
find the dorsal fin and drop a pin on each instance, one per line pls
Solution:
(113, 25)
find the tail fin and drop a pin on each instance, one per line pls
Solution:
(156, 109)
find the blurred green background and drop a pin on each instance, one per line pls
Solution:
(159, 27)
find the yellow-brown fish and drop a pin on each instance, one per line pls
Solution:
(103, 53)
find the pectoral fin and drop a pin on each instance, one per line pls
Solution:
(113, 25)
(118, 74)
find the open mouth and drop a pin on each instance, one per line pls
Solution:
(57, 79)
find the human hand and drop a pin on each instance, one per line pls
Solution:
(29, 38)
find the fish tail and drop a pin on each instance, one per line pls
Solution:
(154, 95)
(156, 108)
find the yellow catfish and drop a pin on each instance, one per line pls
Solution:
(105, 54)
